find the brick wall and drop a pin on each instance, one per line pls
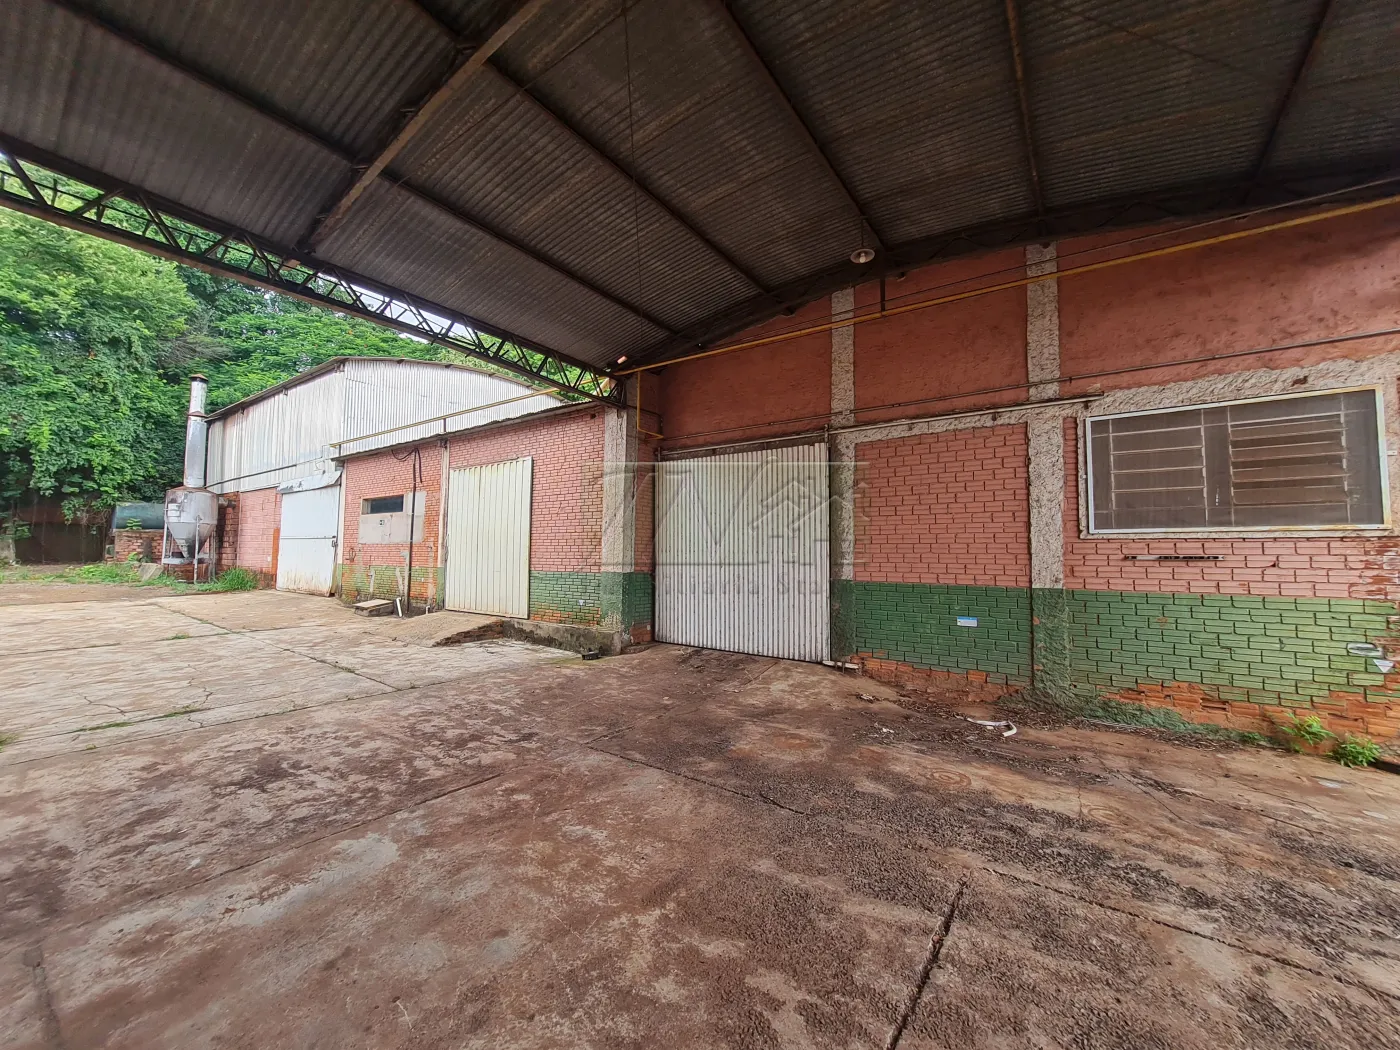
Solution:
(947, 508)
(259, 519)
(565, 514)
(143, 543)
(941, 521)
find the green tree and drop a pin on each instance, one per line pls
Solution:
(97, 342)
(84, 329)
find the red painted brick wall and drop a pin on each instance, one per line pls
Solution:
(259, 516)
(383, 474)
(566, 508)
(944, 350)
(735, 397)
(1347, 567)
(946, 508)
(1331, 278)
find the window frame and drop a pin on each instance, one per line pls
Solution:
(1088, 529)
(365, 501)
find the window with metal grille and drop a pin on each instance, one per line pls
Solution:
(1310, 461)
(382, 505)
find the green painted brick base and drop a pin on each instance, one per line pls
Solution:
(612, 600)
(1251, 649)
(917, 624)
(1258, 650)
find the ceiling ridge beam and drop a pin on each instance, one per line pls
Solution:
(1290, 94)
(289, 123)
(616, 166)
(1023, 100)
(420, 116)
(795, 118)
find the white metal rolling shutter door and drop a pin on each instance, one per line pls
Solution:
(488, 539)
(742, 552)
(306, 540)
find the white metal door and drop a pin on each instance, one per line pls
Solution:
(488, 539)
(741, 552)
(306, 543)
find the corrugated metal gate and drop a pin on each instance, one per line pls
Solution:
(488, 539)
(306, 543)
(742, 552)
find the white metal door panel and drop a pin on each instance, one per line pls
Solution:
(488, 539)
(306, 542)
(742, 552)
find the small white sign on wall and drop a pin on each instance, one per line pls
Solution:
(967, 621)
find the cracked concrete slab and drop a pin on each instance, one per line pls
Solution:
(672, 847)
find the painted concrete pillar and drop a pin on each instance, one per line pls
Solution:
(1046, 471)
(620, 604)
(843, 468)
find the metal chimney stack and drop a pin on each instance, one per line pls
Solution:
(196, 433)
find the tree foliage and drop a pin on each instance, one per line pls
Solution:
(97, 342)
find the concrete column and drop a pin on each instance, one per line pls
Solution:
(619, 482)
(842, 475)
(1046, 470)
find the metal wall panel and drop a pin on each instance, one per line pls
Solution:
(380, 395)
(306, 545)
(300, 431)
(742, 552)
(488, 539)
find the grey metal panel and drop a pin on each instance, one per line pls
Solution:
(399, 239)
(389, 395)
(1129, 98)
(488, 538)
(492, 146)
(1348, 103)
(742, 556)
(111, 107)
(343, 74)
(915, 104)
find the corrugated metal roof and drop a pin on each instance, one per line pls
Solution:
(1131, 98)
(915, 102)
(343, 77)
(1348, 103)
(254, 113)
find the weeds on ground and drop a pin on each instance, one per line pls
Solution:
(1307, 731)
(6, 739)
(1355, 752)
(188, 709)
(128, 573)
(1102, 710)
(104, 725)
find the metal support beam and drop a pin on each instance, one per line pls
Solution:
(798, 122)
(39, 184)
(420, 117)
(1290, 94)
(1023, 99)
(341, 153)
(616, 166)
(1208, 201)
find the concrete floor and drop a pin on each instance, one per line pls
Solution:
(359, 841)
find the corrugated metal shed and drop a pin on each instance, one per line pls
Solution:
(641, 177)
(349, 406)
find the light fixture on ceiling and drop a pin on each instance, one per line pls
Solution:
(861, 256)
(622, 360)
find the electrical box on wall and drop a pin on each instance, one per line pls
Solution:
(392, 526)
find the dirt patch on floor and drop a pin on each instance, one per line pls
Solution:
(684, 848)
